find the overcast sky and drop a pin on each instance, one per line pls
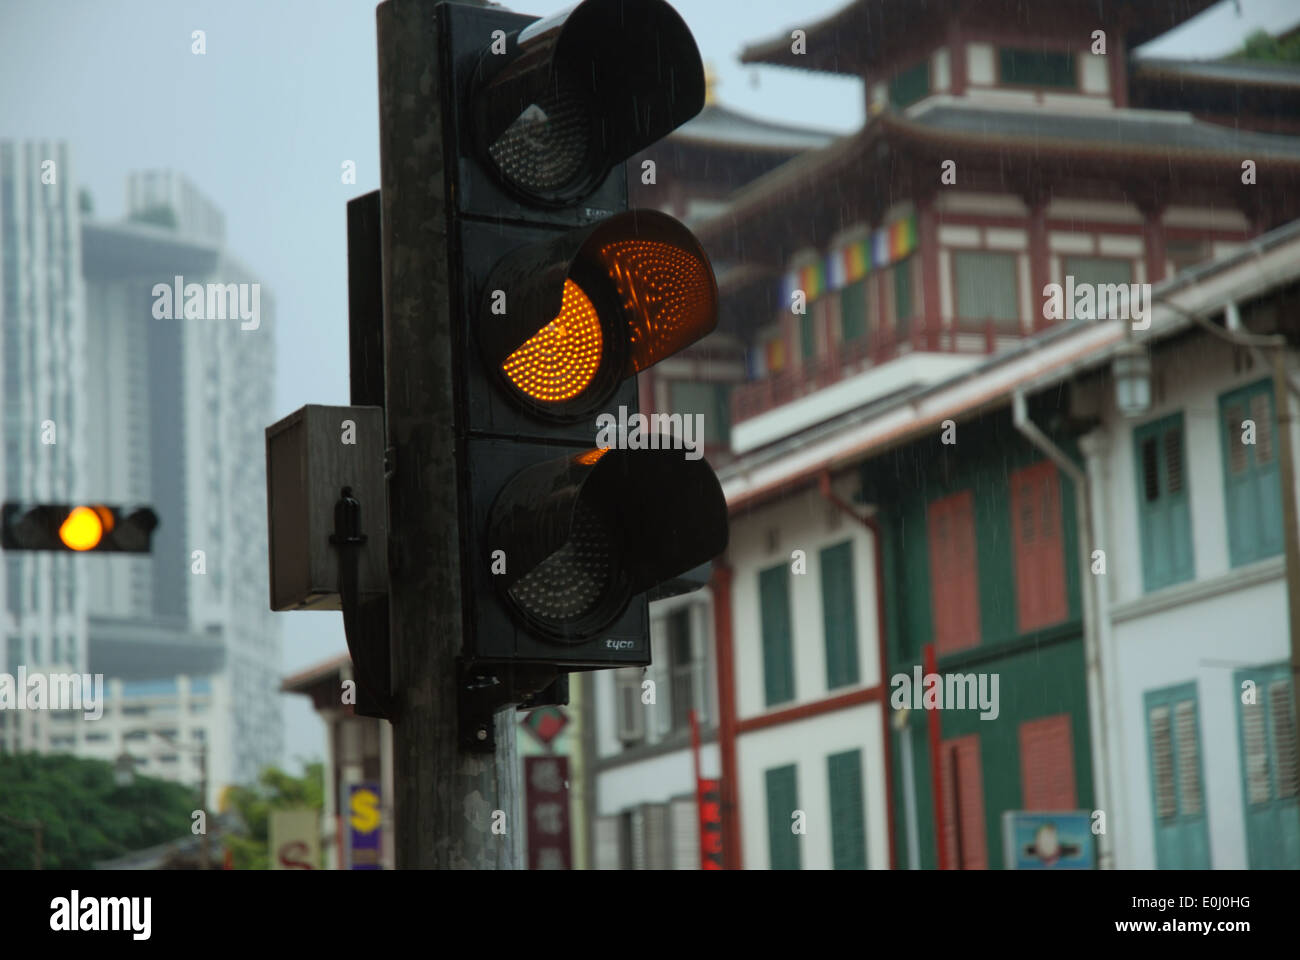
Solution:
(287, 92)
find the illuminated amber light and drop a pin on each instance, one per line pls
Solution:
(591, 456)
(82, 530)
(560, 360)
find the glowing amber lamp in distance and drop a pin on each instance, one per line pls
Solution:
(82, 529)
(560, 360)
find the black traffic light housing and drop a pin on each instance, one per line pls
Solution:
(543, 235)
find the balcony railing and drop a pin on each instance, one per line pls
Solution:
(845, 360)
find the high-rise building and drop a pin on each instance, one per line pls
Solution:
(42, 380)
(159, 378)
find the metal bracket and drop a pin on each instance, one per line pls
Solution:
(483, 690)
(364, 625)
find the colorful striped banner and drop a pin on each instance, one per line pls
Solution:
(853, 261)
(775, 355)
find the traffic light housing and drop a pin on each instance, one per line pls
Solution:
(81, 528)
(564, 295)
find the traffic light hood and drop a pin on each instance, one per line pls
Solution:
(594, 306)
(579, 92)
(582, 534)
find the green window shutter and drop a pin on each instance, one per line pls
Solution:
(1177, 785)
(839, 616)
(778, 653)
(712, 400)
(1252, 488)
(902, 294)
(986, 287)
(848, 816)
(808, 335)
(1269, 774)
(782, 801)
(910, 85)
(1164, 519)
(1110, 279)
(853, 311)
(1037, 68)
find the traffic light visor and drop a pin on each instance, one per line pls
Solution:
(576, 93)
(581, 535)
(595, 306)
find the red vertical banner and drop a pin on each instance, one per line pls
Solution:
(546, 799)
(710, 793)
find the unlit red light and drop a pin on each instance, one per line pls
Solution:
(560, 360)
(82, 529)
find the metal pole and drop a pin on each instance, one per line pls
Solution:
(936, 761)
(1290, 534)
(204, 843)
(444, 798)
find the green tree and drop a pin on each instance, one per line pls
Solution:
(86, 817)
(1260, 46)
(275, 790)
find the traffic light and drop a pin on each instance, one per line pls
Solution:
(562, 296)
(83, 528)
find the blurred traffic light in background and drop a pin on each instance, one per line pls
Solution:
(83, 528)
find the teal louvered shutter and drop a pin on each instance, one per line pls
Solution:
(1252, 489)
(782, 801)
(1164, 519)
(839, 615)
(848, 815)
(1177, 786)
(1270, 779)
(778, 653)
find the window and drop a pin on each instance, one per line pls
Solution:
(631, 717)
(902, 296)
(962, 782)
(839, 615)
(954, 595)
(1037, 68)
(683, 667)
(1039, 552)
(782, 801)
(1251, 485)
(986, 287)
(778, 656)
(853, 312)
(910, 85)
(848, 819)
(1177, 793)
(1269, 767)
(684, 822)
(1164, 523)
(1047, 764)
(1109, 280)
(1186, 253)
(711, 401)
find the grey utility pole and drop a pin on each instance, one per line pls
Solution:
(445, 798)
